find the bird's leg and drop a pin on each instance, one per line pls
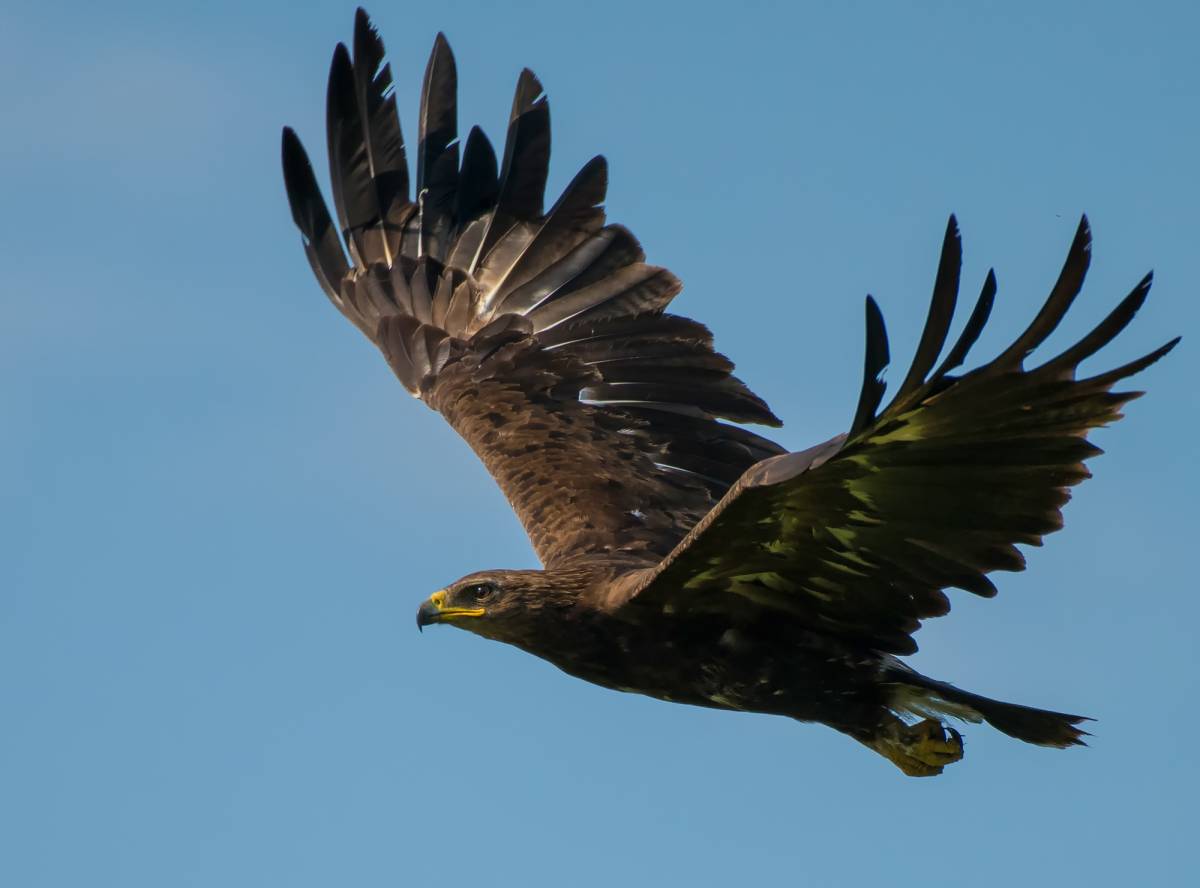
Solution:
(919, 750)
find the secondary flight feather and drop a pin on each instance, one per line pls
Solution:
(685, 556)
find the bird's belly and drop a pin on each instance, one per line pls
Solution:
(730, 669)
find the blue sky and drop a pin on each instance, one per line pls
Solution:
(220, 509)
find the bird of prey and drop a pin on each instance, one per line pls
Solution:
(686, 557)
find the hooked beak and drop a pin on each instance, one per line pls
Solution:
(434, 610)
(427, 613)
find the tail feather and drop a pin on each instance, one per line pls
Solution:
(916, 695)
(1040, 726)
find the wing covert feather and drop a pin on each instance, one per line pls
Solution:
(860, 536)
(541, 337)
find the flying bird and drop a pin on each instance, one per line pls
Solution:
(686, 557)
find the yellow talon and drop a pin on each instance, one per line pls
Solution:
(919, 750)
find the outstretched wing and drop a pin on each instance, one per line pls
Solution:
(859, 536)
(540, 335)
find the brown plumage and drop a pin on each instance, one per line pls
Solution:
(686, 557)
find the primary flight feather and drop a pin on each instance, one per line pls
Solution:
(685, 556)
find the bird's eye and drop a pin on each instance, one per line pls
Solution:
(481, 591)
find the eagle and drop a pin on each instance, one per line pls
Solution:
(684, 556)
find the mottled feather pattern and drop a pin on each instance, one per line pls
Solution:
(430, 276)
(515, 405)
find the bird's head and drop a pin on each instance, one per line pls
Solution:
(502, 604)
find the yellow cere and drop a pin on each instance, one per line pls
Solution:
(438, 600)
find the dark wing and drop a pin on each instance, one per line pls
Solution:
(540, 335)
(859, 536)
